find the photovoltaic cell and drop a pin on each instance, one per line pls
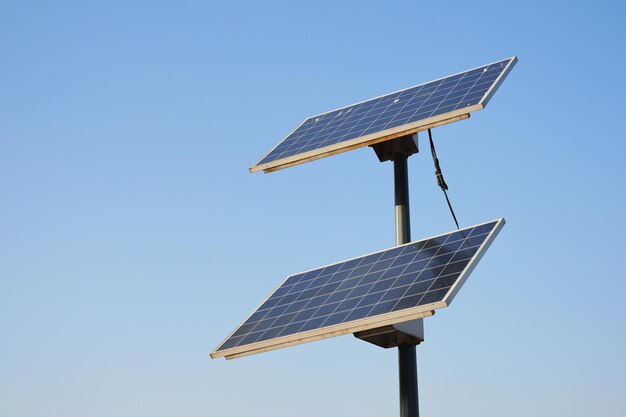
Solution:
(405, 277)
(454, 95)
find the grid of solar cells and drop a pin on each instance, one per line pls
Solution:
(392, 110)
(407, 276)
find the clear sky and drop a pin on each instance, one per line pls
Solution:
(133, 238)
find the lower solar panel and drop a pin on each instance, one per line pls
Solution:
(392, 286)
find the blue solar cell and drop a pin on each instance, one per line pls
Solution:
(399, 278)
(328, 289)
(392, 110)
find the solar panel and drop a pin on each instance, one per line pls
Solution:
(388, 287)
(383, 118)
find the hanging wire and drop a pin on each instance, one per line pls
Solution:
(440, 181)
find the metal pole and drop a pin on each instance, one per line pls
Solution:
(401, 194)
(407, 359)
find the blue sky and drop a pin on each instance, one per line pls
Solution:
(133, 239)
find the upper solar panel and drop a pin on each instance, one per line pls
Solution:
(393, 286)
(397, 114)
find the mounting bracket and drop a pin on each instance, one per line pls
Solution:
(405, 145)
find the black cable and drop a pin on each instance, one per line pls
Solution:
(451, 210)
(440, 181)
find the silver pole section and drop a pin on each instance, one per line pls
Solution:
(407, 359)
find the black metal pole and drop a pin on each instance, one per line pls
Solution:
(407, 359)
(401, 194)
